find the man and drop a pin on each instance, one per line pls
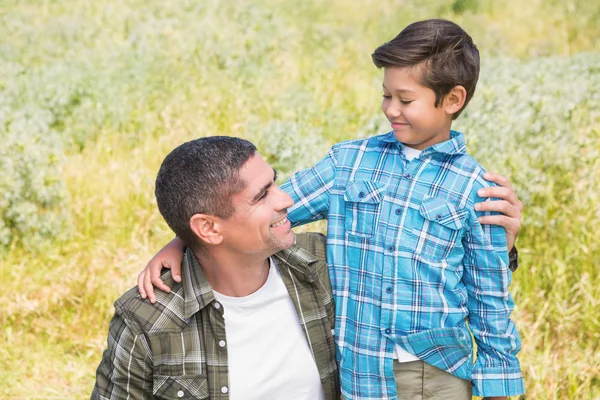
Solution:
(253, 315)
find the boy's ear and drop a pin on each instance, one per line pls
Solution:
(207, 228)
(455, 99)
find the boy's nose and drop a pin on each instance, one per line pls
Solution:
(392, 110)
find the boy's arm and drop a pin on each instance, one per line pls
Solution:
(496, 371)
(169, 256)
(310, 189)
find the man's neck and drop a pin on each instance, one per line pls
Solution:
(234, 275)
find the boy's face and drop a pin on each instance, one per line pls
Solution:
(410, 107)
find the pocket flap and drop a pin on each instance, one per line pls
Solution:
(365, 192)
(180, 387)
(442, 212)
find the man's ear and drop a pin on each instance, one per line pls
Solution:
(207, 228)
(455, 100)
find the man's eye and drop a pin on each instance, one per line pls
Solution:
(262, 196)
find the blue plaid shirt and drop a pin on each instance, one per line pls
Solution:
(410, 264)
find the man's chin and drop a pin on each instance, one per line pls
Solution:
(283, 243)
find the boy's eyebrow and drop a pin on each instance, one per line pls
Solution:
(399, 90)
(265, 188)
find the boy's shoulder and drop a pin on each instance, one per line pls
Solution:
(467, 163)
(365, 143)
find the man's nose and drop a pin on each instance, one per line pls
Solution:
(284, 200)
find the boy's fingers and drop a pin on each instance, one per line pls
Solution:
(155, 280)
(176, 272)
(498, 179)
(140, 280)
(148, 287)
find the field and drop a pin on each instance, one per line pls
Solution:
(94, 94)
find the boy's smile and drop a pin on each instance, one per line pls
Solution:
(410, 107)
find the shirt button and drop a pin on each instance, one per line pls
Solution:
(408, 176)
(390, 248)
(389, 289)
(398, 211)
(222, 343)
(180, 393)
(361, 194)
(388, 331)
(224, 389)
(438, 217)
(217, 305)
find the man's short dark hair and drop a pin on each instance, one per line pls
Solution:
(199, 177)
(445, 51)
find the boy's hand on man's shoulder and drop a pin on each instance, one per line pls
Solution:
(509, 206)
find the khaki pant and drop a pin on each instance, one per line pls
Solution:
(417, 380)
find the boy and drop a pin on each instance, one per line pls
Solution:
(409, 260)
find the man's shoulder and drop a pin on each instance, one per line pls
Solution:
(314, 243)
(166, 315)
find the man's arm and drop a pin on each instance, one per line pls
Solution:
(125, 371)
(507, 205)
(497, 371)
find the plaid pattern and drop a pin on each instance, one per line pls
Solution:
(170, 349)
(409, 263)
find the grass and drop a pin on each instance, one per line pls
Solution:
(143, 76)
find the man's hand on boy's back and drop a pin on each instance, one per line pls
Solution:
(508, 205)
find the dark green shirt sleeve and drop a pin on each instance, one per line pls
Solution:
(125, 371)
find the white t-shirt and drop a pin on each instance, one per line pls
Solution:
(268, 354)
(401, 354)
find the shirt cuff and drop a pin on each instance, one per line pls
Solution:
(497, 381)
(513, 259)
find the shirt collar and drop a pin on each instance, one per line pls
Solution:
(456, 144)
(197, 292)
(299, 259)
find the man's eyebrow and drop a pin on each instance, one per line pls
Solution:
(265, 188)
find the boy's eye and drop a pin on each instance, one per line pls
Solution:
(406, 101)
(387, 96)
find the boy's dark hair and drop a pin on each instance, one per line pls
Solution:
(199, 177)
(448, 53)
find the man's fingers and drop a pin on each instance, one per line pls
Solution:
(498, 179)
(508, 223)
(497, 191)
(502, 206)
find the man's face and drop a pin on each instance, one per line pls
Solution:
(410, 107)
(259, 225)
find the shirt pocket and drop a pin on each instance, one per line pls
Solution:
(441, 230)
(363, 207)
(180, 387)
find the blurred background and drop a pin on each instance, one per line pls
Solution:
(94, 94)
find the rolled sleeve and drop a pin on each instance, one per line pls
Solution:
(310, 189)
(497, 371)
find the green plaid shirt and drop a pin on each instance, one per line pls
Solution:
(171, 349)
